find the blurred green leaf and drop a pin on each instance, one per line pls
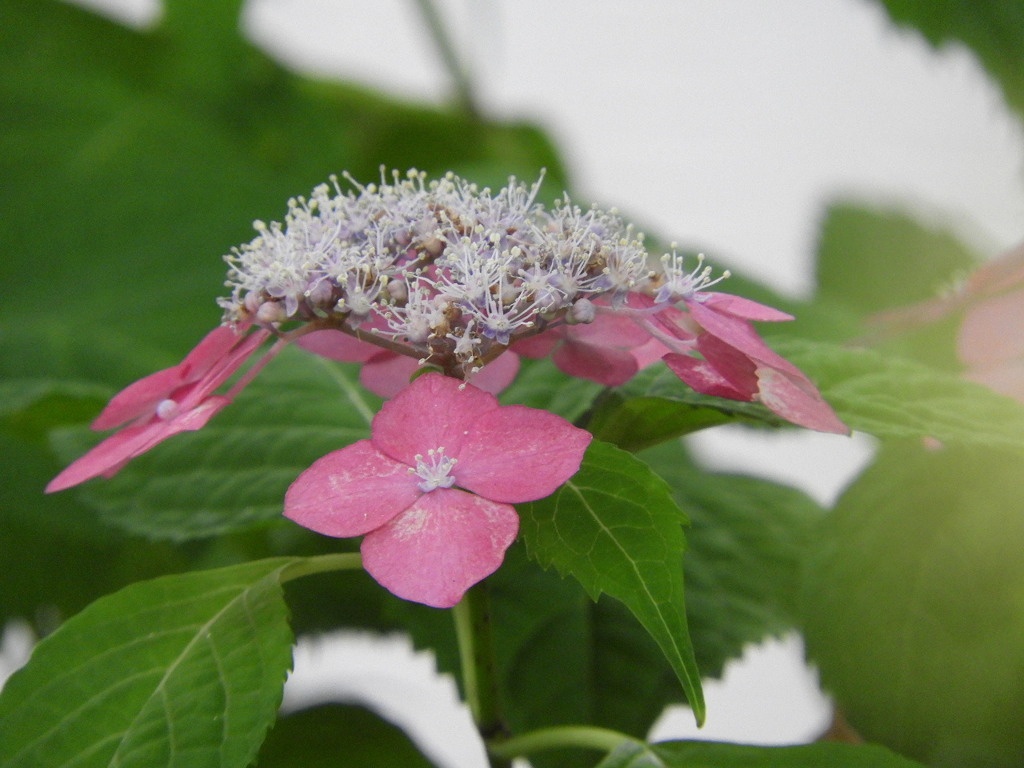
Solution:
(871, 259)
(993, 29)
(891, 397)
(703, 754)
(179, 671)
(338, 736)
(913, 604)
(233, 473)
(616, 529)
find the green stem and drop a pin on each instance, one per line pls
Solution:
(464, 91)
(307, 566)
(479, 669)
(580, 736)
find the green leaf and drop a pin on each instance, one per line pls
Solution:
(179, 671)
(335, 735)
(993, 29)
(701, 754)
(615, 528)
(540, 384)
(871, 259)
(913, 604)
(892, 397)
(746, 544)
(233, 473)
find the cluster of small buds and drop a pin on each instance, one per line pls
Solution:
(441, 270)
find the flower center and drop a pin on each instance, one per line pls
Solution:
(434, 470)
(167, 409)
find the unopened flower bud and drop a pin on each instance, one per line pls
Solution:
(582, 311)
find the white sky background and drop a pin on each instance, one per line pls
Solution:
(725, 125)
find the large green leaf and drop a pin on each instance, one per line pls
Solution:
(233, 473)
(891, 397)
(746, 543)
(913, 604)
(615, 528)
(338, 735)
(869, 259)
(993, 29)
(702, 754)
(180, 671)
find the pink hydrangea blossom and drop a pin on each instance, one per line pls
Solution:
(990, 342)
(167, 402)
(432, 489)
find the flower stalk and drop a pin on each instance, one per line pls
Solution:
(473, 631)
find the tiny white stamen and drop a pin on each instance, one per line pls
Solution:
(434, 470)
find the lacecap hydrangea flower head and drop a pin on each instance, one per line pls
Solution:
(443, 275)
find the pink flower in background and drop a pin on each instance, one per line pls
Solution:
(167, 402)
(991, 339)
(386, 373)
(431, 490)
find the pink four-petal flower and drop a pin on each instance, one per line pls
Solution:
(176, 399)
(432, 490)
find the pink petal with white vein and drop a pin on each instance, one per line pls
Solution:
(350, 491)
(431, 413)
(516, 454)
(797, 400)
(443, 544)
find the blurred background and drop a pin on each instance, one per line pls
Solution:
(727, 126)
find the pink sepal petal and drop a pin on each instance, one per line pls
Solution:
(993, 331)
(439, 547)
(739, 306)
(702, 377)
(649, 353)
(387, 373)
(350, 491)
(214, 347)
(516, 454)
(795, 399)
(739, 333)
(108, 457)
(1006, 378)
(608, 330)
(605, 365)
(336, 345)
(140, 398)
(738, 369)
(213, 360)
(497, 374)
(539, 346)
(433, 412)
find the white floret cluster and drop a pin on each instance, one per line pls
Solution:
(441, 270)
